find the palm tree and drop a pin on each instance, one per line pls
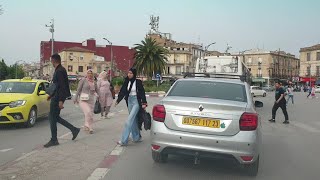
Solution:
(150, 58)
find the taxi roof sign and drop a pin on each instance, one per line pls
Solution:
(27, 79)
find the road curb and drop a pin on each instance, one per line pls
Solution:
(105, 165)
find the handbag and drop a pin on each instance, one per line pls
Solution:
(84, 97)
(97, 107)
(145, 117)
(51, 90)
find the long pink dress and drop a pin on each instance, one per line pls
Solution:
(87, 106)
(105, 97)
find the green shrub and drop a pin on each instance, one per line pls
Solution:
(118, 81)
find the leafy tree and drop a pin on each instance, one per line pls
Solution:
(3, 70)
(150, 58)
(15, 70)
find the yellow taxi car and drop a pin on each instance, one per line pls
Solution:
(23, 101)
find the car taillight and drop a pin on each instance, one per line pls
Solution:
(248, 122)
(159, 113)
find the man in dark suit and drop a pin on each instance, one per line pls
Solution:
(62, 91)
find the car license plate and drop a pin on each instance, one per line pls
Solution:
(204, 122)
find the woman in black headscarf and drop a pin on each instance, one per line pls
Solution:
(133, 92)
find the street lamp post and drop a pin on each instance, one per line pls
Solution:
(111, 52)
(51, 26)
(206, 48)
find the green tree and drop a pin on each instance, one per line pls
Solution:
(150, 58)
(3, 70)
(15, 70)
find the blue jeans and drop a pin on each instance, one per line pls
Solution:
(290, 97)
(131, 125)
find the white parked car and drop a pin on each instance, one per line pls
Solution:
(318, 89)
(257, 91)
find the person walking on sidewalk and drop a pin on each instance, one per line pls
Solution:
(105, 97)
(309, 90)
(85, 96)
(280, 102)
(134, 94)
(61, 92)
(313, 92)
(290, 94)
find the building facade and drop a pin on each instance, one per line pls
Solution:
(123, 56)
(310, 63)
(32, 70)
(269, 66)
(182, 57)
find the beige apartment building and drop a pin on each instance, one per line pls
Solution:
(182, 56)
(310, 61)
(77, 61)
(269, 66)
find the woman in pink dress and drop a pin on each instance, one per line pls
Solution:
(85, 96)
(105, 97)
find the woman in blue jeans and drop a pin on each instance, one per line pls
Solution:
(133, 92)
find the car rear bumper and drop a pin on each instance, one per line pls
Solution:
(245, 143)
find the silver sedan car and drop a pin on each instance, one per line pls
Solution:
(208, 118)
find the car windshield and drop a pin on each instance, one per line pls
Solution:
(213, 90)
(17, 87)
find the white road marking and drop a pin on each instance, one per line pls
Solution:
(117, 151)
(6, 150)
(98, 174)
(65, 135)
(26, 155)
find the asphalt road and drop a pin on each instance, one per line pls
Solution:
(17, 141)
(289, 151)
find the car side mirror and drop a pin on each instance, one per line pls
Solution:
(42, 93)
(258, 104)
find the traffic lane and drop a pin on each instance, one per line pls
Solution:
(18, 141)
(281, 158)
(288, 152)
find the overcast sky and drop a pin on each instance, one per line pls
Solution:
(244, 24)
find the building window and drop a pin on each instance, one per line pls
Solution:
(168, 71)
(70, 68)
(80, 69)
(178, 70)
(318, 56)
(318, 70)
(81, 57)
(308, 56)
(308, 71)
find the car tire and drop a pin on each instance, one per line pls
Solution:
(31, 118)
(264, 94)
(159, 157)
(252, 169)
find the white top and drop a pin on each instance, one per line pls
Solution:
(133, 89)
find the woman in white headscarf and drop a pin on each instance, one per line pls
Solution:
(105, 98)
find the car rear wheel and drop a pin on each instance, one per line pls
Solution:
(32, 118)
(252, 169)
(264, 94)
(159, 157)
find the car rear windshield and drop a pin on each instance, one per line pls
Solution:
(207, 89)
(17, 87)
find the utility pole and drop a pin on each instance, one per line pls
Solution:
(111, 52)
(51, 26)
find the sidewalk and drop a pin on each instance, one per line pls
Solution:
(72, 160)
